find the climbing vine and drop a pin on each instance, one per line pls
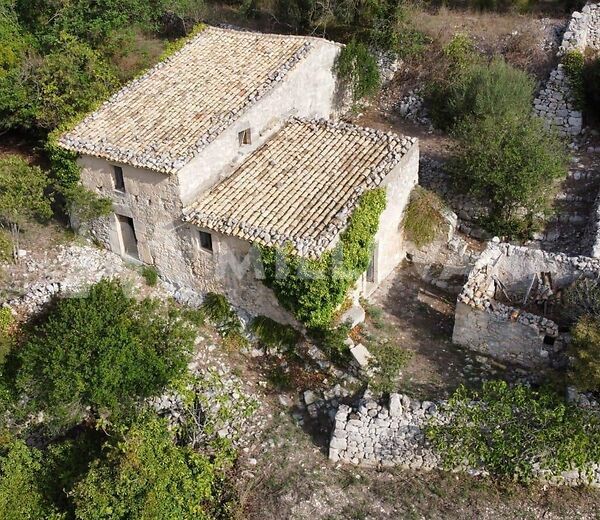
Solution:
(314, 289)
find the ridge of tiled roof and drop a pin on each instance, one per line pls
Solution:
(158, 121)
(301, 186)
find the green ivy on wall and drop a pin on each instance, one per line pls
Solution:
(314, 289)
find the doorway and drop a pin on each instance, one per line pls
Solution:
(128, 238)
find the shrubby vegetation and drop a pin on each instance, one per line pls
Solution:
(22, 196)
(273, 335)
(83, 369)
(220, 313)
(505, 156)
(358, 68)
(510, 431)
(314, 289)
(423, 217)
(99, 355)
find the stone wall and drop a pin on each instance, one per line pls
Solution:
(555, 102)
(375, 434)
(504, 331)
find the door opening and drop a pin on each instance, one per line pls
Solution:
(128, 238)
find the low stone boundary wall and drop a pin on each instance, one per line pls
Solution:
(376, 435)
(507, 332)
(555, 102)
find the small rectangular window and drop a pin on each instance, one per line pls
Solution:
(206, 241)
(245, 137)
(118, 179)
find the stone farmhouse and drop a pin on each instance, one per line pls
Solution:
(233, 141)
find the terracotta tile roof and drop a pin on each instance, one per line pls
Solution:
(162, 119)
(301, 186)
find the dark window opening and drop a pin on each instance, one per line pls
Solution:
(245, 137)
(118, 178)
(206, 241)
(549, 340)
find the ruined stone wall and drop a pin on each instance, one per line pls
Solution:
(309, 90)
(555, 102)
(375, 434)
(504, 331)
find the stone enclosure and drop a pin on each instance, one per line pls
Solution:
(508, 307)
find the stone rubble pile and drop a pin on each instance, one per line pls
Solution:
(412, 107)
(372, 434)
(388, 64)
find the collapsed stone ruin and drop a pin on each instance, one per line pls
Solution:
(511, 306)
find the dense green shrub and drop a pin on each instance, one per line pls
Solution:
(21, 493)
(511, 164)
(6, 337)
(274, 335)
(6, 249)
(423, 217)
(573, 63)
(333, 341)
(314, 289)
(357, 66)
(103, 350)
(146, 476)
(506, 430)
(150, 275)
(390, 359)
(480, 90)
(219, 311)
(585, 352)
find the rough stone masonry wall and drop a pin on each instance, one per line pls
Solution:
(555, 101)
(505, 332)
(376, 435)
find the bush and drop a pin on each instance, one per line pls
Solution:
(582, 298)
(508, 430)
(585, 352)
(423, 218)
(314, 289)
(573, 63)
(333, 342)
(274, 335)
(390, 358)
(150, 275)
(84, 205)
(357, 66)
(22, 195)
(221, 314)
(145, 475)
(475, 90)
(511, 164)
(6, 249)
(6, 324)
(21, 495)
(105, 351)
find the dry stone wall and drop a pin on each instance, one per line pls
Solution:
(393, 435)
(504, 331)
(555, 102)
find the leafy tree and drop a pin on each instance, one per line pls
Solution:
(84, 205)
(22, 195)
(16, 62)
(71, 79)
(511, 164)
(146, 476)
(507, 430)
(358, 67)
(104, 351)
